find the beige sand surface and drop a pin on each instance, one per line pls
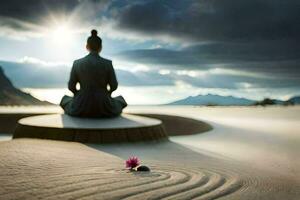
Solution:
(176, 125)
(268, 138)
(252, 153)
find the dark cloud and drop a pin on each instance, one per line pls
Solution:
(218, 53)
(276, 65)
(32, 10)
(260, 36)
(215, 20)
(252, 35)
(196, 20)
(274, 57)
(32, 15)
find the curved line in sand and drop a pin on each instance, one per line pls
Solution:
(183, 183)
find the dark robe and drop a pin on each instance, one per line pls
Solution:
(97, 80)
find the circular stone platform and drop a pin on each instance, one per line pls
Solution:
(125, 128)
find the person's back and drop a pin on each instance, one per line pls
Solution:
(97, 81)
(93, 71)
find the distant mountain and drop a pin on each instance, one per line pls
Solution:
(214, 100)
(209, 99)
(295, 100)
(268, 101)
(9, 95)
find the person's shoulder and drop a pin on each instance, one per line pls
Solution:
(107, 61)
(80, 60)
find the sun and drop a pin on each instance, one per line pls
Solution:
(62, 34)
(61, 40)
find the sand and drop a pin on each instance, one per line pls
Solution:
(251, 153)
(176, 125)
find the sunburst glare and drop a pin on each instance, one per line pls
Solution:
(61, 39)
(62, 34)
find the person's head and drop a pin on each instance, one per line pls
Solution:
(94, 43)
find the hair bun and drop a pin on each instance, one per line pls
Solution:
(94, 32)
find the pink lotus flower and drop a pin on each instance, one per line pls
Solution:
(132, 162)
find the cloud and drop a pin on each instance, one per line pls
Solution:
(216, 53)
(18, 29)
(41, 74)
(214, 20)
(32, 18)
(142, 78)
(32, 10)
(222, 43)
(41, 63)
(278, 59)
(189, 21)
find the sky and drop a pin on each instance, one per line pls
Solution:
(162, 50)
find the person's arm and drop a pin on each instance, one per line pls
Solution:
(112, 79)
(73, 80)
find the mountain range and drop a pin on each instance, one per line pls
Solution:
(295, 100)
(210, 99)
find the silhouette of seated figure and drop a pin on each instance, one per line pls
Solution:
(97, 80)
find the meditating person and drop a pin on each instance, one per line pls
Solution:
(97, 80)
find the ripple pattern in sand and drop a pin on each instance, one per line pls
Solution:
(32, 169)
(164, 182)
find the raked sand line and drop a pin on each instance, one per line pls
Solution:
(65, 170)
